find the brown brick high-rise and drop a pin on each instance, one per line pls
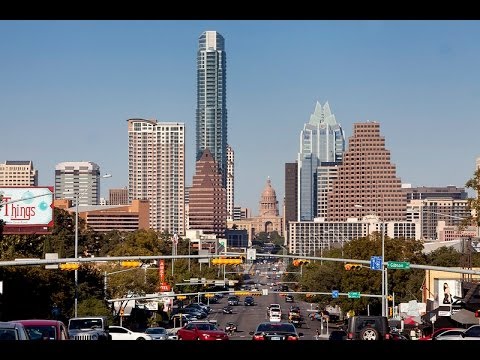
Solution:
(207, 198)
(367, 178)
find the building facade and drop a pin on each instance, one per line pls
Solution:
(207, 198)
(230, 182)
(268, 219)
(112, 217)
(118, 196)
(306, 238)
(321, 140)
(156, 171)
(290, 205)
(80, 179)
(211, 114)
(18, 173)
(367, 182)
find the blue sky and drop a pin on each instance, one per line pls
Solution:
(68, 87)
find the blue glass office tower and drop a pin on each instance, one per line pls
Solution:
(322, 140)
(211, 116)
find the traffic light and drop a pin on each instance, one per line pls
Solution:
(69, 266)
(353, 267)
(131, 264)
(390, 298)
(300, 262)
(228, 260)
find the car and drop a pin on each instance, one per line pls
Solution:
(122, 333)
(179, 319)
(453, 334)
(201, 330)
(199, 314)
(282, 331)
(233, 300)
(157, 333)
(44, 329)
(275, 316)
(249, 301)
(13, 330)
(338, 335)
(368, 327)
(437, 333)
(472, 333)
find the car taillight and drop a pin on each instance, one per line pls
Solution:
(258, 337)
(290, 337)
(350, 336)
(388, 336)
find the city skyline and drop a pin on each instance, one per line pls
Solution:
(68, 88)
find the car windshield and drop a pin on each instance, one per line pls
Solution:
(85, 324)
(39, 332)
(156, 331)
(267, 327)
(206, 326)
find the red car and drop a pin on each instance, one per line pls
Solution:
(39, 329)
(201, 330)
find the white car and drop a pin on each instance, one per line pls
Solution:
(122, 333)
(275, 316)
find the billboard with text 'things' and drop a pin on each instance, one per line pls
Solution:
(26, 210)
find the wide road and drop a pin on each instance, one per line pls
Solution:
(248, 317)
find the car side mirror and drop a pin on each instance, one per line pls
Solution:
(252, 332)
(300, 334)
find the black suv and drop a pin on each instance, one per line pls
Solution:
(363, 327)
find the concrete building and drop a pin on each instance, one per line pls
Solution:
(211, 115)
(156, 171)
(18, 173)
(308, 237)
(268, 219)
(230, 182)
(366, 182)
(80, 178)
(431, 211)
(207, 199)
(118, 196)
(290, 205)
(111, 217)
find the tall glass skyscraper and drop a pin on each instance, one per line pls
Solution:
(211, 117)
(322, 140)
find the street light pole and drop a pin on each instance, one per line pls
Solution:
(76, 255)
(382, 227)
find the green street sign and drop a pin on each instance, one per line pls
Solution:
(403, 265)
(354, 295)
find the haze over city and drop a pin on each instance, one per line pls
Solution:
(68, 88)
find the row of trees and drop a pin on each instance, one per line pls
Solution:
(33, 291)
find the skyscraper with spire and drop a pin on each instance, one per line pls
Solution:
(211, 115)
(322, 143)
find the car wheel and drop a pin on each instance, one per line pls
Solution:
(369, 333)
(140, 338)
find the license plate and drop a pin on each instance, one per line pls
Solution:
(276, 338)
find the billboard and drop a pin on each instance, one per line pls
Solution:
(26, 210)
(448, 290)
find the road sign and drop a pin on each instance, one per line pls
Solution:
(251, 254)
(376, 263)
(403, 265)
(334, 294)
(354, 295)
